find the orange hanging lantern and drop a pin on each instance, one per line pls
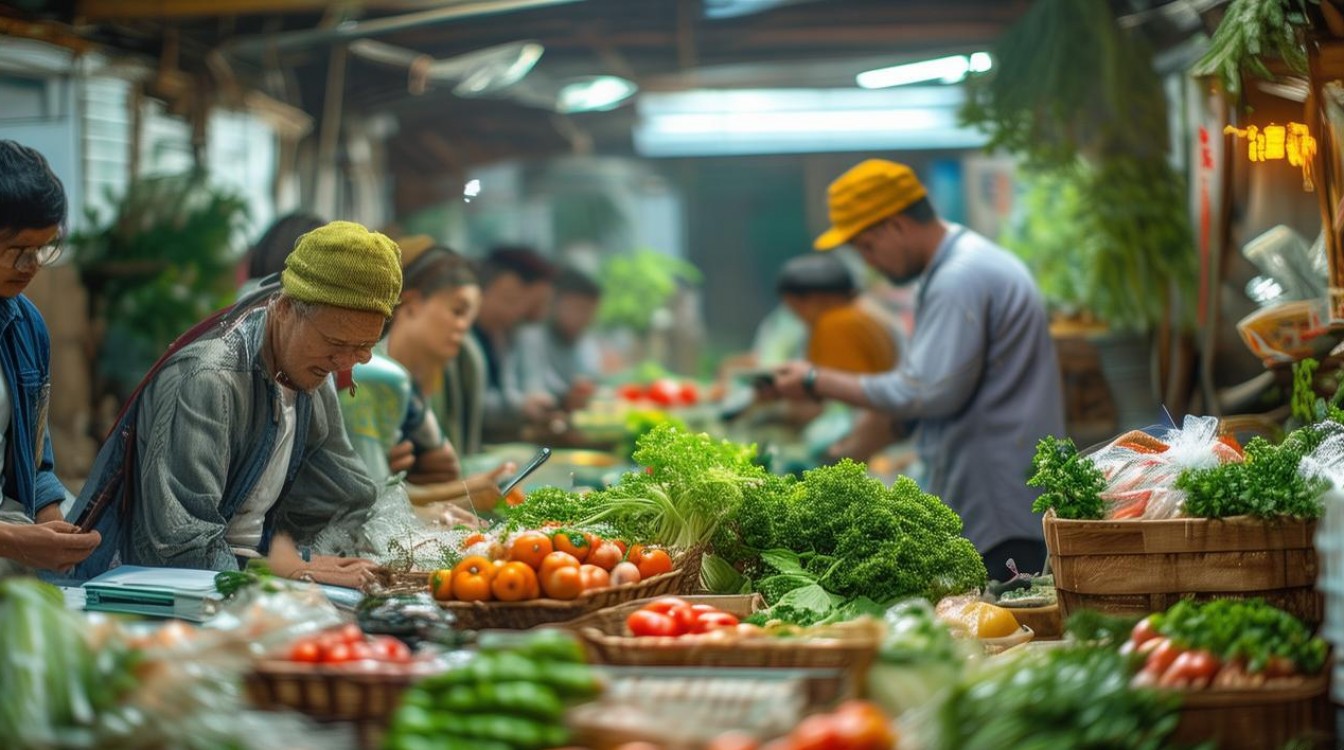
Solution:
(1293, 142)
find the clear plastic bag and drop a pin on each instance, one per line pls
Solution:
(1141, 470)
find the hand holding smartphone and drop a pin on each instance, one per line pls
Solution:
(540, 458)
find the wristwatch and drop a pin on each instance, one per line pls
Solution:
(810, 383)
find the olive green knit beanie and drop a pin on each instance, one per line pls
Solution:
(343, 264)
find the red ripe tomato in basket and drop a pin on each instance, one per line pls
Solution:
(646, 623)
(664, 392)
(631, 392)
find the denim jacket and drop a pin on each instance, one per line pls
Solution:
(25, 362)
(205, 428)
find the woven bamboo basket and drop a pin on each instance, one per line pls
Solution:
(848, 646)
(684, 579)
(365, 698)
(1138, 567)
(1256, 719)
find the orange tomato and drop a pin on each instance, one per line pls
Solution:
(605, 556)
(634, 554)
(441, 584)
(620, 544)
(594, 577)
(654, 562)
(863, 726)
(556, 560)
(530, 547)
(514, 582)
(471, 539)
(471, 579)
(594, 541)
(563, 582)
(573, 543)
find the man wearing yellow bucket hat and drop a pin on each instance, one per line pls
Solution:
(980, 383)
(234, 439)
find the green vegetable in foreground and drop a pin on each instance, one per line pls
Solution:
(1076, 697)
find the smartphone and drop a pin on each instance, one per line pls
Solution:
(531, 466)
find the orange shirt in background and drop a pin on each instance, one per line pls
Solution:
(847, 338)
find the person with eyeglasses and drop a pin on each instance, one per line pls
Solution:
(33, 534)
(233, 446)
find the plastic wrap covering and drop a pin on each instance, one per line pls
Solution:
(84, 683)
(1141, 470)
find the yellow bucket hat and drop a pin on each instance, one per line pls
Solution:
(343, 264)
(868, 193)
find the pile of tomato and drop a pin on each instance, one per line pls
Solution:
(534, 564)
(670, 616)
(663, 391)
(346, 644)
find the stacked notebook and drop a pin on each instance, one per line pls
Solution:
(154, 592)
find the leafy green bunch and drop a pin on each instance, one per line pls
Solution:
(690, 483)
(1077, 696)
(1251, 29)
(852, 536)
(1072, 484)
(1248, 630)
(1267, 484)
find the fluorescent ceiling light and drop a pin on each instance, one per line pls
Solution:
(594, 94)
(945, 69)
(721, 123)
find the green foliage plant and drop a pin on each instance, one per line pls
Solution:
(636, 285)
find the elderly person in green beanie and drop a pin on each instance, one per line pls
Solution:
(233, 446)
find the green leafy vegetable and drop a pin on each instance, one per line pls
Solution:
(1077, 697)
(1072, 484)
(1267, 484)
(1249, 30)
(690, 484)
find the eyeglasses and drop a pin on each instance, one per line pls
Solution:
(25, 258)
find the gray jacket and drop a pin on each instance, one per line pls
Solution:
(205, 427)
(981, 381)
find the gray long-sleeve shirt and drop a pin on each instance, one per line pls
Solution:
(982, 381)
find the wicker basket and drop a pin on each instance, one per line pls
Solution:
(1256, 719)
(1138, 567)
(328, 693)
(684, 579)
(848, 646)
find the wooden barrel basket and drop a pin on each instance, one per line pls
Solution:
(1138, 567)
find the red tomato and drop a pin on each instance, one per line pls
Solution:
(1161, 657)
(664, 392)
(361, 651)
(689, 394)
(391, 649)
(645, 623)
(350, 633)
(675, 608)
(1143, 631)
(818, 732)
(305, 650)
(707, 621)
(336, 653)
(631, 392)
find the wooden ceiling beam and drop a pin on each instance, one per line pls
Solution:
(158, 10)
